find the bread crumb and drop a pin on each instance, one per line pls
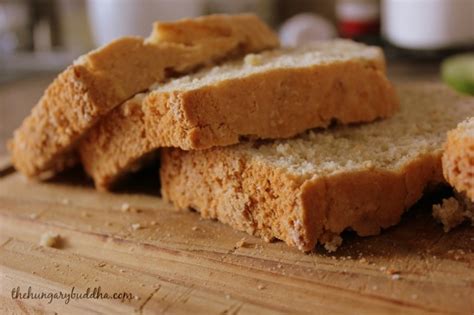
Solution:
(261, 286)
(65, 201)
(50, 239)
(136, 226)
(227, 296)
(194, 228)
(241, 243)
(153, 223)
(453, 211)
(33, 216)
(396, 276)
(101, 264)
(333, 244)
(125, 207)
(253, 60)
(122, 271)
(85, 214)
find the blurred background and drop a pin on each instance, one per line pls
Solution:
(39, 38)
(46, 35)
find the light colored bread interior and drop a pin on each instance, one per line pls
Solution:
(274, 94)
(458, 159)
(311, 188)
(317, 53)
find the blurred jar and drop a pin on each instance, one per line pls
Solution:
(76, 35)
(358, 19)
(111, 19)
(14, 32)
(428, 24)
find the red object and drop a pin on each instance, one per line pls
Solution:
(350, 29)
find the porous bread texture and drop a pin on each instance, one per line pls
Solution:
(458, 158)
(309, 189)
(97, 82)
(275, 94)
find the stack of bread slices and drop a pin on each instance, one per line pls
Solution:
(297, 144)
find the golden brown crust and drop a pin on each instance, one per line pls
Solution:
(267, 202)
(104, 78)
(244, 30)
(458, 158)
(286, 102)
(275, 104)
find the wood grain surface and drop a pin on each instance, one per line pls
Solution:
(177, 263)
(170, 261)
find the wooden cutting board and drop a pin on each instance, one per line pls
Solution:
(174, 262)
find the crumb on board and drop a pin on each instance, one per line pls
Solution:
(33, 216)
(125, 207)
(194, 228)
(136, 226)
(242, 243)
(333, 244)
(453, 211)
(396, 276)
(101, 264)
(50, 239)
(261, 286)
(65, 201)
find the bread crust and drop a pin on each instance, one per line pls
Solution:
(458, 158)
(271, 203)
(237, 188)
(280, 103)
(105, 78)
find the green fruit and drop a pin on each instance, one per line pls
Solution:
(458, 72)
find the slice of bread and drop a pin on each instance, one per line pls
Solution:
(309, 189)
(275, 94)
(458, 158)
(105, 78)
(458, 170)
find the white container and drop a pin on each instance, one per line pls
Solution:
(428, 24)
(111, 19)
